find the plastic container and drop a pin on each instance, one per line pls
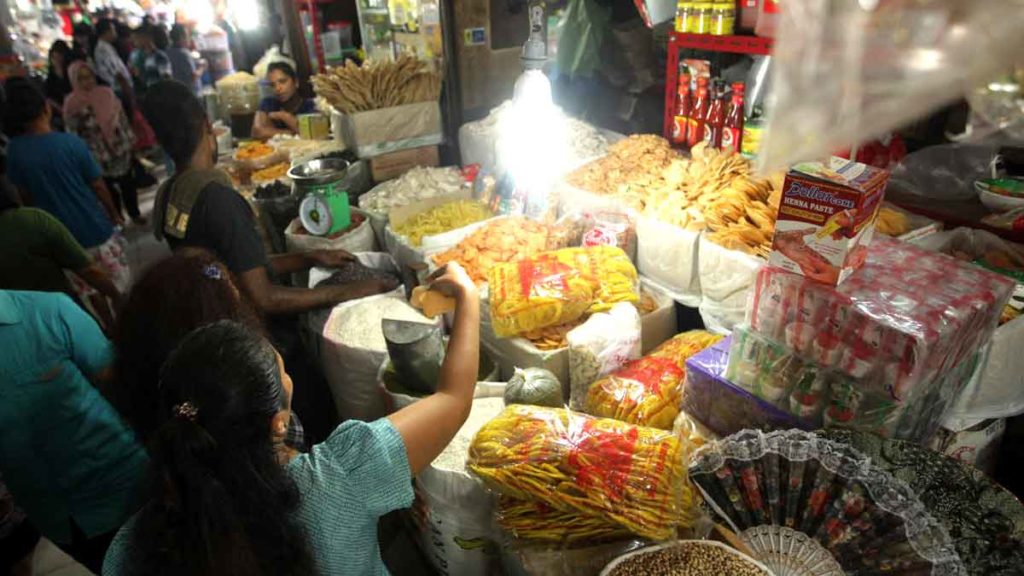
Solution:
(723, 19)
(684, 16)
(768, 17)
(701, 21)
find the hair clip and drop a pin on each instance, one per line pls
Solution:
(212, 271)
(186, 410)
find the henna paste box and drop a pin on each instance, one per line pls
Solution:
(827, 218)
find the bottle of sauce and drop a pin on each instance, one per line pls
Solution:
(683, 104)
(748, 10)
(714, 122)
(732, 133)
(768, 18)
(698, 113)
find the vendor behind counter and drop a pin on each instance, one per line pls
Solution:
(278, 114)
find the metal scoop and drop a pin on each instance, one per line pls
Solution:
(417, 351)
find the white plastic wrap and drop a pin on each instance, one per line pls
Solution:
(668, 255)
(726, 278)
(847, 72)
(601, 345)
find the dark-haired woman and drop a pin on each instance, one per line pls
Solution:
(278, 114)
(58, 84)
(229, 500)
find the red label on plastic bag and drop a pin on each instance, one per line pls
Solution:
(772, 6)
(602, 459)
(651, 372)
(546, 276)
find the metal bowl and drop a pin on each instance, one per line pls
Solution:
(320, 171)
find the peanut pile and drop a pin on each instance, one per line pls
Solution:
(687, 559)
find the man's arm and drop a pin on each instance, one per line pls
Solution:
(98, 278)
(299, 261)
(271, 299)
(106, 200)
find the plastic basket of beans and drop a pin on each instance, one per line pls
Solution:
(686, 558)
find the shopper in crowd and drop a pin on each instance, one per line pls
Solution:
(149, 64)
(158, 314)
(18, 538)
(83, 42)
(67, 457)
(109, 66)
(95, 115)
(56, 172)
(224, 405)
(36, 250)
(124, 43)
(199, 207)
(278, 114)
(184, 67)
(58, 86)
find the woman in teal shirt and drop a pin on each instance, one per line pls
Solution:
(69, 461)
(230, 498)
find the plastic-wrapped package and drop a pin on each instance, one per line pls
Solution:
(646, 391)
(847, 72)
(725, 408)
(630, 475)
(558, 287)
(600, 345)
(905, 330)
(538, 522)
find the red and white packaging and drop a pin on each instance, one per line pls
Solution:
(827, 219)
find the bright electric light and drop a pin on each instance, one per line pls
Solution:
(532, 138)
(246, 14)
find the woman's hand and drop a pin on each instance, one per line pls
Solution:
(287, 118)
(452, 280)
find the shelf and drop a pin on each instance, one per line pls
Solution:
(732, 44)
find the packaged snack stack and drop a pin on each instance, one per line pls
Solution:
(886, 351)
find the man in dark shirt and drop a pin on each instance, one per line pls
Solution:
(199, 207)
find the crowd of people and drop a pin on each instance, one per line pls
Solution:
(147, 413)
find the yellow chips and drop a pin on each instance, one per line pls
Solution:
(443, 218)
(628, 475)
(558, 287)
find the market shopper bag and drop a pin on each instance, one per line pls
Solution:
(601, 345)
(351, 371)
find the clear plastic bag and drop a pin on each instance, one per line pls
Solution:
(847, 72)
(558, 287)
(600, 345)
(632, 476)
(945, 172)
(648, 391)
(537, 522)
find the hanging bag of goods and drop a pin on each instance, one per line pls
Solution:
(558, 287)
(648, 391)
(629, 475)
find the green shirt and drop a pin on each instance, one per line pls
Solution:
(35, 249)
(65, 453)
(346, 484)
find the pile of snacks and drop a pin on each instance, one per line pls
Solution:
(892, 222)
(538, 522)
(558, 287)
(633, 167)
(443, 218)
(415, 185)
(552, 337)
(628, 475)
(503, 240)
(270, 173)
(253, 151)
(648, 391)
(378, 84)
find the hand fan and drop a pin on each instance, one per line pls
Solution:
(808, 506)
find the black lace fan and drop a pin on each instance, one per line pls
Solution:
(807, 506)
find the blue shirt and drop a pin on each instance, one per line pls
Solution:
(57, 170)
(272, 104)
(65, 453)
(347, 483)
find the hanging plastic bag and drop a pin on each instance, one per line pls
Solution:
(847, 72)
(600, 345)
(583, 30)
(272, 55)
(945, 172)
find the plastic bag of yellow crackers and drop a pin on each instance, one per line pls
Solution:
(629, 475)
(648, 391)
(558, 287)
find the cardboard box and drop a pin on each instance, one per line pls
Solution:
(393, 165)
(375, 132)
(827, 219)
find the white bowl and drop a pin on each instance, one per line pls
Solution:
(998, 202)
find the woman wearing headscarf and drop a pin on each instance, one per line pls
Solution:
(94, 113)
